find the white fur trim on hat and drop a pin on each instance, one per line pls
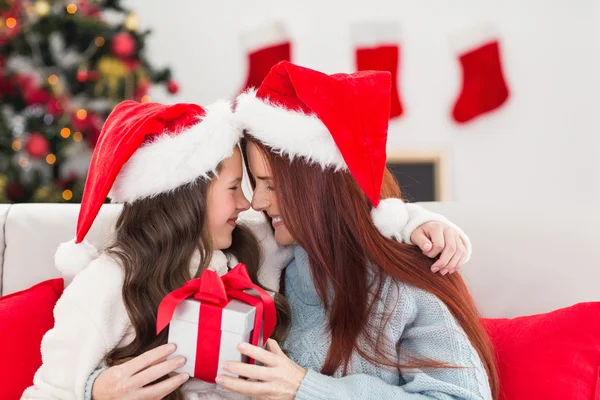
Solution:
(291, 133)
(389, 217)
(71, 258)
(173, 160)
(263, 36)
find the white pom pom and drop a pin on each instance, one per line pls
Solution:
(390, 216)
(71, 258)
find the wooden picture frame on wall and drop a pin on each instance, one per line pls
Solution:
(422, 175)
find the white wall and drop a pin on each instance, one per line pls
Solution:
(545, 142)
(596, 98)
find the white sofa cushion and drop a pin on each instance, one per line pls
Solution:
(529, 257)
(33, 233)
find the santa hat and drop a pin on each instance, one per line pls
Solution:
(338, 121)
(144, 150)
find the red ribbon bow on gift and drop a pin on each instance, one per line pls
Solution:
(214, 292)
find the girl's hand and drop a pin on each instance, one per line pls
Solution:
(279, 379)
(435, 238)
(131, 380)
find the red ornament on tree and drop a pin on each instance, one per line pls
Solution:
(15, 192)
(67, 182)
(131, 63)
(32, 93)
(172, 87)
(7, 86)
(12, 25)
(96, 123)
(34, 96)
(123, 45)
(81, 124)
(25, 81)
(93, 136)
(142, 89)
(82, 75)
(55, 107)
(88, 9)
(90, 125)
(37, 146)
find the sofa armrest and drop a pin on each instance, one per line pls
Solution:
(3, 214)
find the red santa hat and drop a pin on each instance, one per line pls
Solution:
(338, 121)
(144, 150)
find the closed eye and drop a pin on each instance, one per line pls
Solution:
(235, 184)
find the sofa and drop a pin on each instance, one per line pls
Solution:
(528, 257)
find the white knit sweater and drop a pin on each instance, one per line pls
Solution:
(90, 320)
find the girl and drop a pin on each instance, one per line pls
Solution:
(367, 323)
(177, 169)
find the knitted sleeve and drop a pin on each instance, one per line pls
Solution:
(429, 331)
(90, 383)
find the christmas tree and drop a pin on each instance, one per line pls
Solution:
(64, 65)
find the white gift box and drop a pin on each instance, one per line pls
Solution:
(237, 325)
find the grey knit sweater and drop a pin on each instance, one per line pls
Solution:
(420, 323)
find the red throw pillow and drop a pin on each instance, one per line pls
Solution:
(549, 356)
(24, 319)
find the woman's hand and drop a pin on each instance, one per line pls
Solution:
(279, 379)
(436, 238)
(131, 380)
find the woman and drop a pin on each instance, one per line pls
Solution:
(368, 320)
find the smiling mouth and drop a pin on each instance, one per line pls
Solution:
(276, 221)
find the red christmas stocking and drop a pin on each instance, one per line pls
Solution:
(377, 48)
(484, 87)
(266, 46)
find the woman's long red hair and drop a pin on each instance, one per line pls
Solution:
(329, 216)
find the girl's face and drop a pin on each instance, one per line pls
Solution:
(264, 197)
(226, 200)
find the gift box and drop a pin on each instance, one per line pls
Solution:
(209, 316)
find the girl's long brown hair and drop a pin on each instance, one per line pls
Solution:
(154, 243)
(330, 217)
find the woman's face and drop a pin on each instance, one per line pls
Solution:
(225, 201)
(264, 197)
